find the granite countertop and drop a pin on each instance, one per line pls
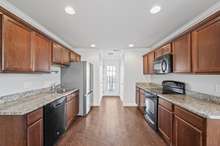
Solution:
(25, 105)
(204, 108)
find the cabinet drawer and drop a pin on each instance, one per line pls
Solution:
(69, 97)
(193, 119)
(34, 116)
(166, 104)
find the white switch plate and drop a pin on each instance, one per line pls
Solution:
(217, 88)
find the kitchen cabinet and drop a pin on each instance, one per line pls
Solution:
(165, 120)
(16, 52)
(137, 98)
(182, 54)
(74, 57)
(72, 107)
(65, 56)
(57, 53)
(166, 49)
(60, 55)
(78, 58)
(150, 62)
(42, 53)
(141, 101)
(205, 47)
(158, 52)
(189, 129)
(145, 64)
(24, 130)
(35, 134)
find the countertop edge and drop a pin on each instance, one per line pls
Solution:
(37, 106)
(203, 115)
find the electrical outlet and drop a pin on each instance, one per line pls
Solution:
(217, 88)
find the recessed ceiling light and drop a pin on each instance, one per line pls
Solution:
(69, 10)
(93, 45)
(155, 9)
(131, 45)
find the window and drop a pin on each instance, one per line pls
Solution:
(111, 77)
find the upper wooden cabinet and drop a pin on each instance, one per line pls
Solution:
(182, 54)
(74, 57)
(206, 47)
(61, 55)
(145, 64)
(151, 58)
(148, 60)
(163, 50)
(65, 56)
(16, 52)
(57, 53)
(42, 53)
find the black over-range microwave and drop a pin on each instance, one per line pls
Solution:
(163, 64)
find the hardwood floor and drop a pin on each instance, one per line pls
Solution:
(111, 125)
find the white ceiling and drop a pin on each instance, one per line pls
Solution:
(112, 23)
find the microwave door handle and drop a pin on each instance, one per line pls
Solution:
(164, 66)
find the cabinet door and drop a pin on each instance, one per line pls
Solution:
(158, 52)
(57, 54)
(142, 101)
(137, 100)
(65, 56)
(78, 58)
(165, 123)
(70, 111)
(205, 47)
(186, 134)
(17, 46)
(42, 53)
(35, 134)
(150, 62)
(182, 54)
(167, 49)
(145, 64)
(73, 57)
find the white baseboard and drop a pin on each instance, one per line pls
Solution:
(129, 104)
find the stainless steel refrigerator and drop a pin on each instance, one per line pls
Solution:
(79, 75)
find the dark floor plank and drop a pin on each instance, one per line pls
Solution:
(111, 125)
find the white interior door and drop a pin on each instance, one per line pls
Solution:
(111, 78)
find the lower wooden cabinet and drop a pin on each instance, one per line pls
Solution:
(25, 130)
(137, 98)
(72, 107)
(141, 101)
(165, 123)
(35, 134)
(185, 134)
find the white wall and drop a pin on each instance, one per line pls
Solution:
(133, 72)
(16, 83)
(209, 84)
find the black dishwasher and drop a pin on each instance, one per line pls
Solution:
(54, 121)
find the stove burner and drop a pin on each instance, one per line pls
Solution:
(173, 87)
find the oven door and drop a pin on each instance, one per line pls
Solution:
(151, 105)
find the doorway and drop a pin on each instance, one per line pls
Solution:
(111, 78)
